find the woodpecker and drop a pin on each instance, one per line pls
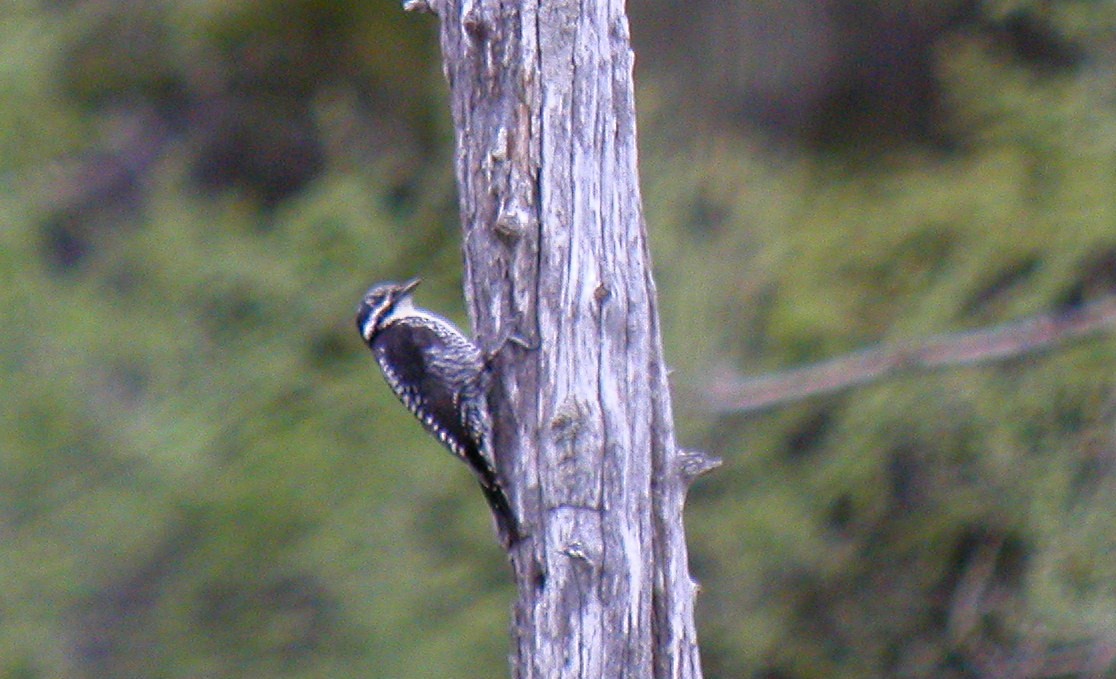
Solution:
(441, 376)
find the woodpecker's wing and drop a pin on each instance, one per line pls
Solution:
(439, 375)
(401, 352)
(474, 415)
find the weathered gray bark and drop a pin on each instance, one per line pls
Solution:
(555, 249)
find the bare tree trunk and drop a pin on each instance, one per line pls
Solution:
(555, 249)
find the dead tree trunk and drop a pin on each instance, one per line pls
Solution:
(555, 249)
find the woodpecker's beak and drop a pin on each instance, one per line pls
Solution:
(407, 287)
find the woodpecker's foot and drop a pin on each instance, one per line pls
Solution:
(515, 339)
(522, 342)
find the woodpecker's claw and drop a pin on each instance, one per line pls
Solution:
(512, 338)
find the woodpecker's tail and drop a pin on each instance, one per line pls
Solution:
(506, 524)
(484, 468)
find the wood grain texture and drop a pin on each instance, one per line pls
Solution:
(555, 249)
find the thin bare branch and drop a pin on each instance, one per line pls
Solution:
(1018, 338)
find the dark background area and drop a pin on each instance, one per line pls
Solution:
(203, 474)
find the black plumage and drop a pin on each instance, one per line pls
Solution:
(441, 377)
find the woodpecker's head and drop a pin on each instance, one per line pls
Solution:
(378, 304)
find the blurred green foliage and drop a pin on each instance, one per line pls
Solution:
(201, 473)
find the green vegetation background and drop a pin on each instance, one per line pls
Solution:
(203, 475)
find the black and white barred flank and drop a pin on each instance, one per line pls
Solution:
(440, 376)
